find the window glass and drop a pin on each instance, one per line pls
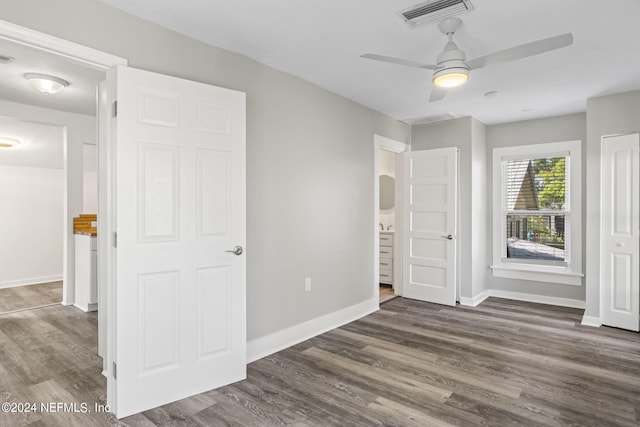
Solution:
(535, 214)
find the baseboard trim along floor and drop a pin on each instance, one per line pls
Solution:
(264, 346)
(540, 299)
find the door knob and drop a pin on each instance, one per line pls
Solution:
(448, 237)
(236, 251)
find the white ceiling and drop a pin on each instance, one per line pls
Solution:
(78, 97)
(321, 42)
(41, 144)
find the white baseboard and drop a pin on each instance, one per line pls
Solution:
(264, 346)
(30, 281)
(541, 299)
(591, 321)
(472, 302)
(88, 308)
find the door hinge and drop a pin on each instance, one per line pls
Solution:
(115, 371)
(115, 109)
(115, 239)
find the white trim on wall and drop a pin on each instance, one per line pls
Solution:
(472, 302)
(596, 322)
(30, 281)
(540, 299)
(84, 55)
(269, 344)
(390, 144)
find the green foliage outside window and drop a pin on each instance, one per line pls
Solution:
(549, 176)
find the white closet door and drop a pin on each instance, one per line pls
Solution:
(619, 284)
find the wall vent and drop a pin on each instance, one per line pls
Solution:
(433, 11)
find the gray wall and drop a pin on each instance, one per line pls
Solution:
(476, 142)
(310, 165)
(553, 129)
(480, 203)
(606, 115)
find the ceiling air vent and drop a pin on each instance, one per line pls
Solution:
(430, 119)
(433, 11)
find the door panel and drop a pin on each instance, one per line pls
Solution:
(180, 205)
(430, 218)
(620, 232)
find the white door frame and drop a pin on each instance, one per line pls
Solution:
(87, 57)
(98, 60)
(384, 143)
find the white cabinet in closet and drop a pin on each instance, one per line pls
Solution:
(386, 257)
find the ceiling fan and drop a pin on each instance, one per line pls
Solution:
(452, 68)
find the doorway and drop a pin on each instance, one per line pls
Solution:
(31, 247)
(85, 68)
(388, 201)
(387, 162)
(72, 110)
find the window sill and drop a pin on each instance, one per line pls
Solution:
(539, 274)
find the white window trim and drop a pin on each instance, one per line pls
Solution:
(571, 274)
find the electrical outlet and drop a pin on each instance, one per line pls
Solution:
(307, 284)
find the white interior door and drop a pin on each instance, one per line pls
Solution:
(179, 209)
(620, 295)
(430, 212)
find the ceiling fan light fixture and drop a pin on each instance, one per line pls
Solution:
(450, 77)
(6, 142)
(46, 84)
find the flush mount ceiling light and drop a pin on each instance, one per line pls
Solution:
(6, 142)
(46, 84)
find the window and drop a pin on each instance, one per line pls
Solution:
(537, 212)
(535, 209)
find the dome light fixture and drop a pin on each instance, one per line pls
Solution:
(6, 142)
(46, 84)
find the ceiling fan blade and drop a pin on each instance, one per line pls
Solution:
(399, 61)
(521, 51)
(437, 93)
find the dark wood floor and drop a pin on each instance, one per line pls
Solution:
(30, 296)
(502, 363)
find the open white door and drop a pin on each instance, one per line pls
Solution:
(430, 212)
(179, 176)
(620, 231)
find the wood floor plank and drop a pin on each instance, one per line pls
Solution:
(410, 364)
(312, 384)
(30, 296)
(406, 415)
(492, 384)
(408, 385)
